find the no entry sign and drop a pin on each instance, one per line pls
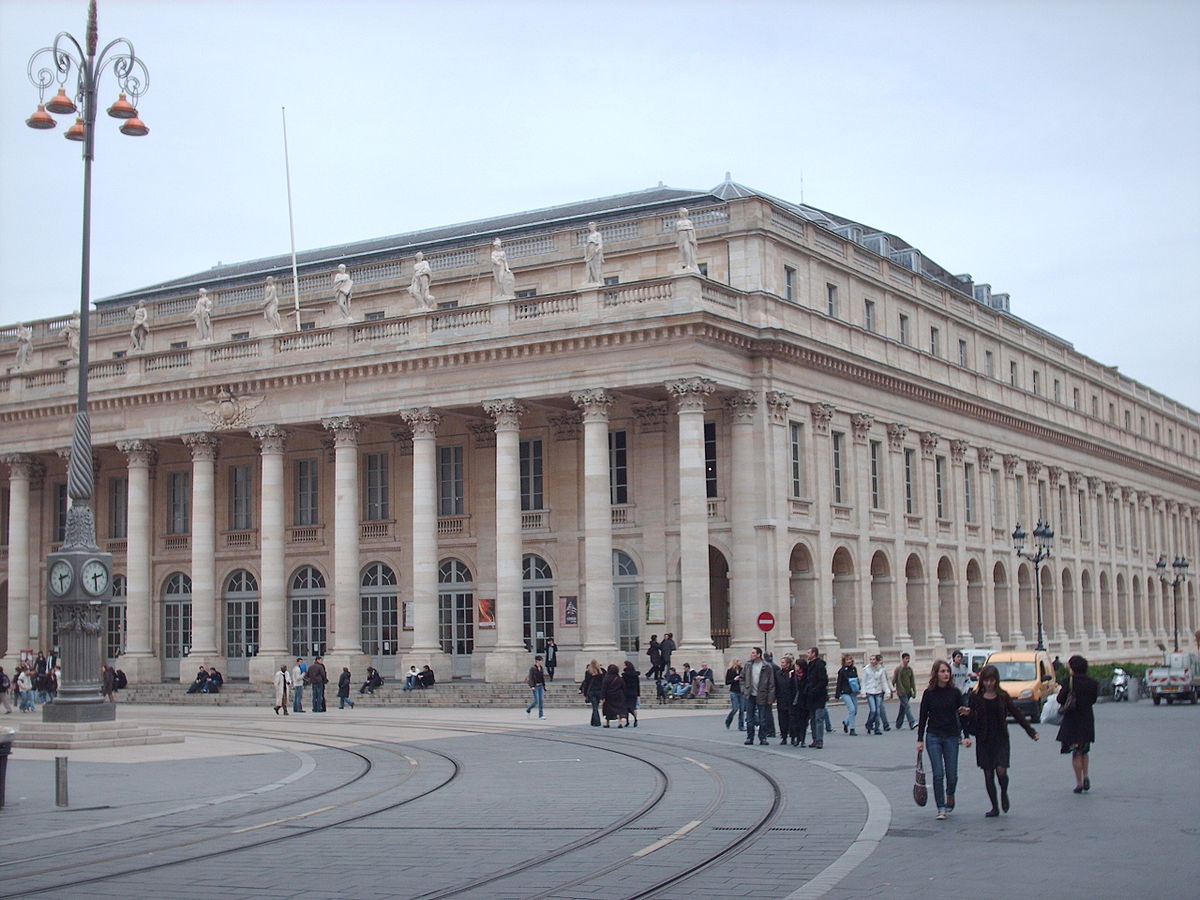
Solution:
(766, 621)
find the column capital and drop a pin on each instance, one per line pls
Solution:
(690, 394)
(1011, 461)
(203, 444)
(138, 452)
(896, 432)
(822, 415)
(779, 405)
(344, 429)
(1112, 489)
(741, 406)
(1033, 468)
(929, 443)
(1073, 479)
(1054, 475)
(594, 402)
(958, 451)
(1129, 495)
(985, 456)
(861, 424)
(507, 412)
(422, 421)
(271, 438)
(21, 465)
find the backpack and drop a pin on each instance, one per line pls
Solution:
(5, 682)
(120, 680)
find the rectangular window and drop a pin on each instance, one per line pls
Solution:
(910, 476)
(377, 505)
(969, 491)
(939, 485)
(963, 359)
(618, 467)
(1101, 530)
(904, 336)
(1012, 373)
(240, 336)
(796, 452)
(1043, 501)
(241, 498)
(610, 280)
(451, 499)
(1133, 528)
(1095, 407)
(839, 491)
(308, 326)
(307, 494)
(789, 283)
(869, 315)
(989, 364)
(1075, 398)
(997, 500)
(831, 300)
(178, 345)
(1128, 421)
(1021, 516)
(60, 513)
(1037, 382)
(1063, 518)
(876, 481)
(526, 293)
(1118, 535)
(118, 507)
(1083, 527)
(530, 455)
(1057, 391)
(710, 459)
(179, 500)
(375, 315)
(703, 267)
(1141, 427)
(935, 341)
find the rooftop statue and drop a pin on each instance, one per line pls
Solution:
(685, 240)
(343, 286)
(421, 280)
(24, 345)
(71, 335)
(203, 315)
(593, 256)
(271, 304)
(506, 282)
(141, 329)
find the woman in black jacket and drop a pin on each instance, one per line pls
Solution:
(633, 688)
(344, 690)
(1078, 729)
(654, 651)
(737, 700)
(940, 706)
(591, 688)
(613, 689)
(989, 707)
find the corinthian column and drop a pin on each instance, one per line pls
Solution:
(347, 638)
(426, 649)
(744, 590)
(509, 660)
(599, 609)
(21, 471)
(139, 661)
(204, 448)
(695, 621)
(274, 649)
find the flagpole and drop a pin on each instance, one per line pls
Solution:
(291, 223)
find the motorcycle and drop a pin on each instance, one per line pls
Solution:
(1120, 685)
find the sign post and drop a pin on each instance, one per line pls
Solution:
(766, 622)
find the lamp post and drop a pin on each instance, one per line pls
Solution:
(1043, 536)
(79, 576)
(1180, 567)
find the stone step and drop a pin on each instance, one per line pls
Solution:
(38, 735)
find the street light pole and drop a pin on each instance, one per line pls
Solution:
(79, 580)
(1180, 567)
(1043, 541)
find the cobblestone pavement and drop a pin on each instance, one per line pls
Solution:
(490, 804)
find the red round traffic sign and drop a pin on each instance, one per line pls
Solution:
(766, 621)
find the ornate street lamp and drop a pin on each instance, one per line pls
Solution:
(79, 579)
(1043, 539)
(1180, 567)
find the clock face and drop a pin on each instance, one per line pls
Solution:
(94, 577)
(62, 576)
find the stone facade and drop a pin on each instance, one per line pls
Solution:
(819, 422)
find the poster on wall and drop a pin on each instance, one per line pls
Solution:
(656, 607)
(570, 611)
(487, 612)
(407, 615)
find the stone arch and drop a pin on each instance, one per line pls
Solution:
(845, 598)
(947, 600)
(718, 597)
(1069, 621)
(1050, 616)
(1123, 612)
(883, 607)
(915, 585)
(802, 585)
(1108, 617)
(1002, 602)
(1139, 610)
(1091, 622)
(975, 593)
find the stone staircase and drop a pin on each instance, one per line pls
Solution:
(37, 735)
(462, 693)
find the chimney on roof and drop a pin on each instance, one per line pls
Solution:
(1000, 301)
(728, 178)
(983, 294)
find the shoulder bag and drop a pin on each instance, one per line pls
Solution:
(920, 791)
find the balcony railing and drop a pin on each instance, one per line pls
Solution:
(452, 526)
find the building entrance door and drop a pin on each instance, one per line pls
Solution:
(456, 621)
(241, 624)
(177, 625)
(379, 618)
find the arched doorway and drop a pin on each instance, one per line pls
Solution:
(177, 623)
(1124, 614)
(975, 588)
(915, 584)
(1139, 610)
(1050, 618)
(307, 599)
(718, 599)
(802, 587)
(379, 616)
(627, 592)
(1002, 603)
(1108, 619)
(241, 623)
(883, 607)
(845, 600)
(456, 615)
(537, 589)
(947, 601)
(1070, 623)
(1087, 598)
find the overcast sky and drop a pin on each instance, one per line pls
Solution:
(1048, 148)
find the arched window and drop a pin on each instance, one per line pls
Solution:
(378, 610)
(456, 614)
(241, 622)
(177, 622)
(115, 621)
(537, 593)
(307, 598)
(626, 594)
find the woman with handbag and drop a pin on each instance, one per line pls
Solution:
(592, 689)
(847, 688)
(940, 707)
(988, 709)
(1078, 729)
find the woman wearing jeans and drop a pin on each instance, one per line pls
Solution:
(940, 707)
(737, 700)
(848, 691)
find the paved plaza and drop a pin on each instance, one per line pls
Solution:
(433, 803)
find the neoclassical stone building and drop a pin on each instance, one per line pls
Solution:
(670, 422)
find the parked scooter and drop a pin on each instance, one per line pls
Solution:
(1120, 684)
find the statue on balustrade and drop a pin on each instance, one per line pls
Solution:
(71, 335)
(24, 345)
(141, 328)
(271, 304)
(593, 256)
(342, 288)
(203, 315)
(421, 280)
(506, 282)
(685, 240)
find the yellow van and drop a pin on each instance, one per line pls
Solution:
(1028, 677)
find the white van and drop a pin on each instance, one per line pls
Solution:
(975, 659)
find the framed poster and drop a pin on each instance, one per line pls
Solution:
(406, 610)
(656, 607)
(570, 611)
(487, 612)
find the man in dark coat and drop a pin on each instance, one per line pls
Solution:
(758, 684)
(667, 647)
(816, 683)
(785, 698)
(317, 677)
